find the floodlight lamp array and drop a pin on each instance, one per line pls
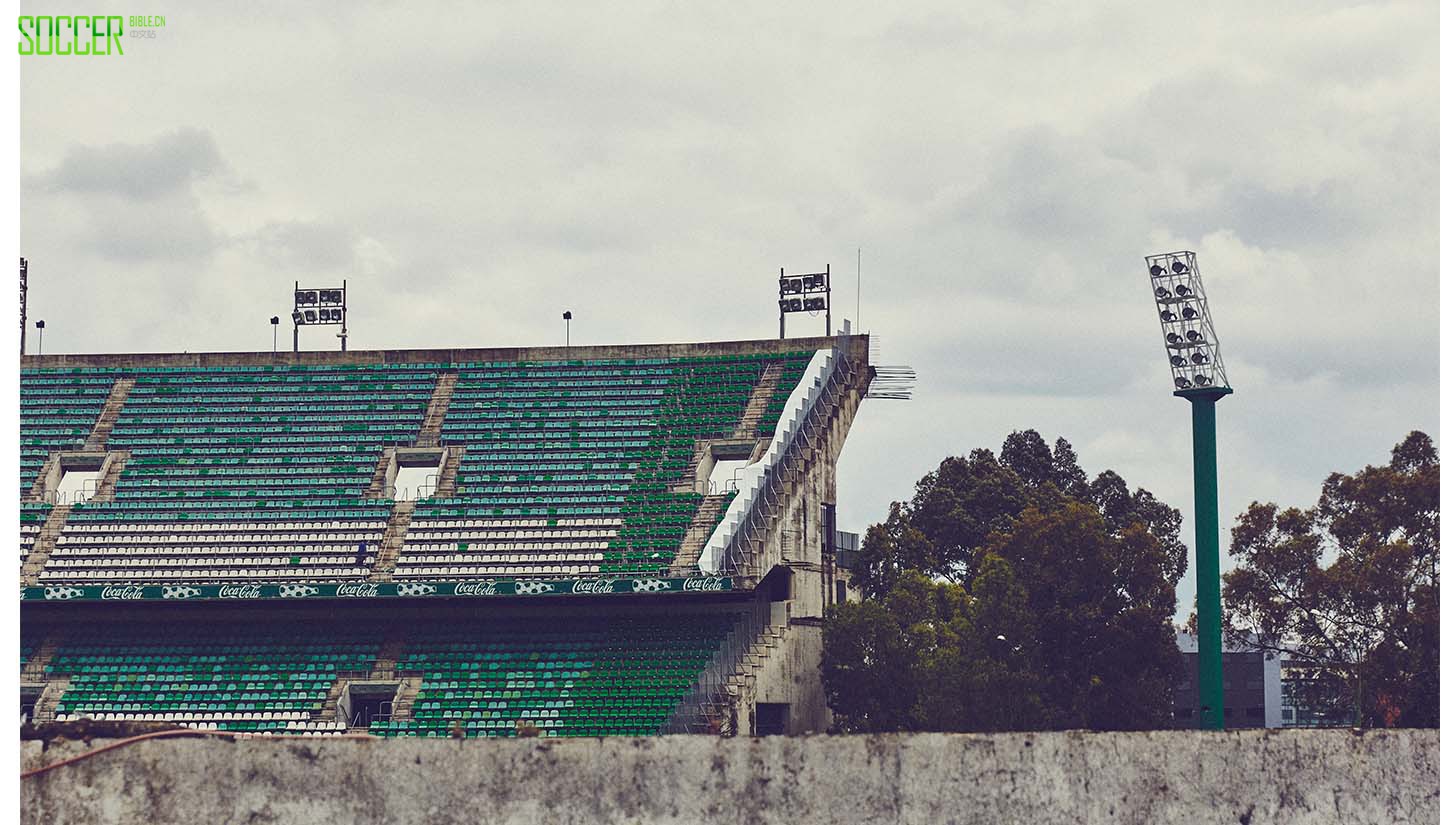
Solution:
(817, 282)
(318, 306)
(1187, 328)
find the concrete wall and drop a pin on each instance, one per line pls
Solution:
(1169, 777)
(791, 673)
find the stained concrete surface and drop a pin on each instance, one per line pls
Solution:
(1293, 776)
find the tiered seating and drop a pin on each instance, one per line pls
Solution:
(258, 472)
(214, 551)
(581, 676)
(249, 472)
(32, 518)
(227, 442)
(453, 548)
(58, 408)
(248, 679)
(567, 465)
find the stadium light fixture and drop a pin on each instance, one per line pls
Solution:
(321, 306)
(1197, 374)
(814, 289)
(24, 288)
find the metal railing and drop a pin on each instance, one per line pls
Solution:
(707, 707)
(84, 493)
(741, 556)
(390, 492)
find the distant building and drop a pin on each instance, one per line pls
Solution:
(1311, 695)
(1252, 687)
(846, 550)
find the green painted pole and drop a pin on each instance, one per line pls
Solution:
(1209, 579)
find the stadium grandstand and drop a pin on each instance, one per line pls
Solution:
(584, 541)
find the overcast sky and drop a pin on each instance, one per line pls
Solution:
(474, 170)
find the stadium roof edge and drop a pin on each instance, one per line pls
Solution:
(858, 347)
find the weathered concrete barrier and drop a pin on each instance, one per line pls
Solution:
(1165, 777)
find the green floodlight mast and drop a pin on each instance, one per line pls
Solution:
(1198, 376)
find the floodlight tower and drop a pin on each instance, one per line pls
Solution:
(321, 307)
(24, 268)
(1198, 376)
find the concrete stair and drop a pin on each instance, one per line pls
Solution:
(741, 683)
(40, 551)
(37, 487)
(381, 475)
(434, 414)
(388, 660)
(106, 485)
(109, 413)
(446, 486)
(758, 401)
(34, 668)
(404, 700)
(699, 530)
(394, 531)
(50, 699)
(329, 713)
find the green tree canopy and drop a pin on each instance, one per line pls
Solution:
(1351, 586)
(1011, 593)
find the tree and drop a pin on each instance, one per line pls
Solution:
(1011, 594)
(1351, 587)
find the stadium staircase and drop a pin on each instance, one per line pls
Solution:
(40, 551)
(106, 485)
(704, 521)
(329, 714)
(741, 685)
(109, 413)
(760, 401)
(394, 532)
(37, 489)
(434, 414)
(387, 662)
(445, 487)
(403, 710)
(34, 668)
(50, 698)
(381, 475)
(33, 672)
